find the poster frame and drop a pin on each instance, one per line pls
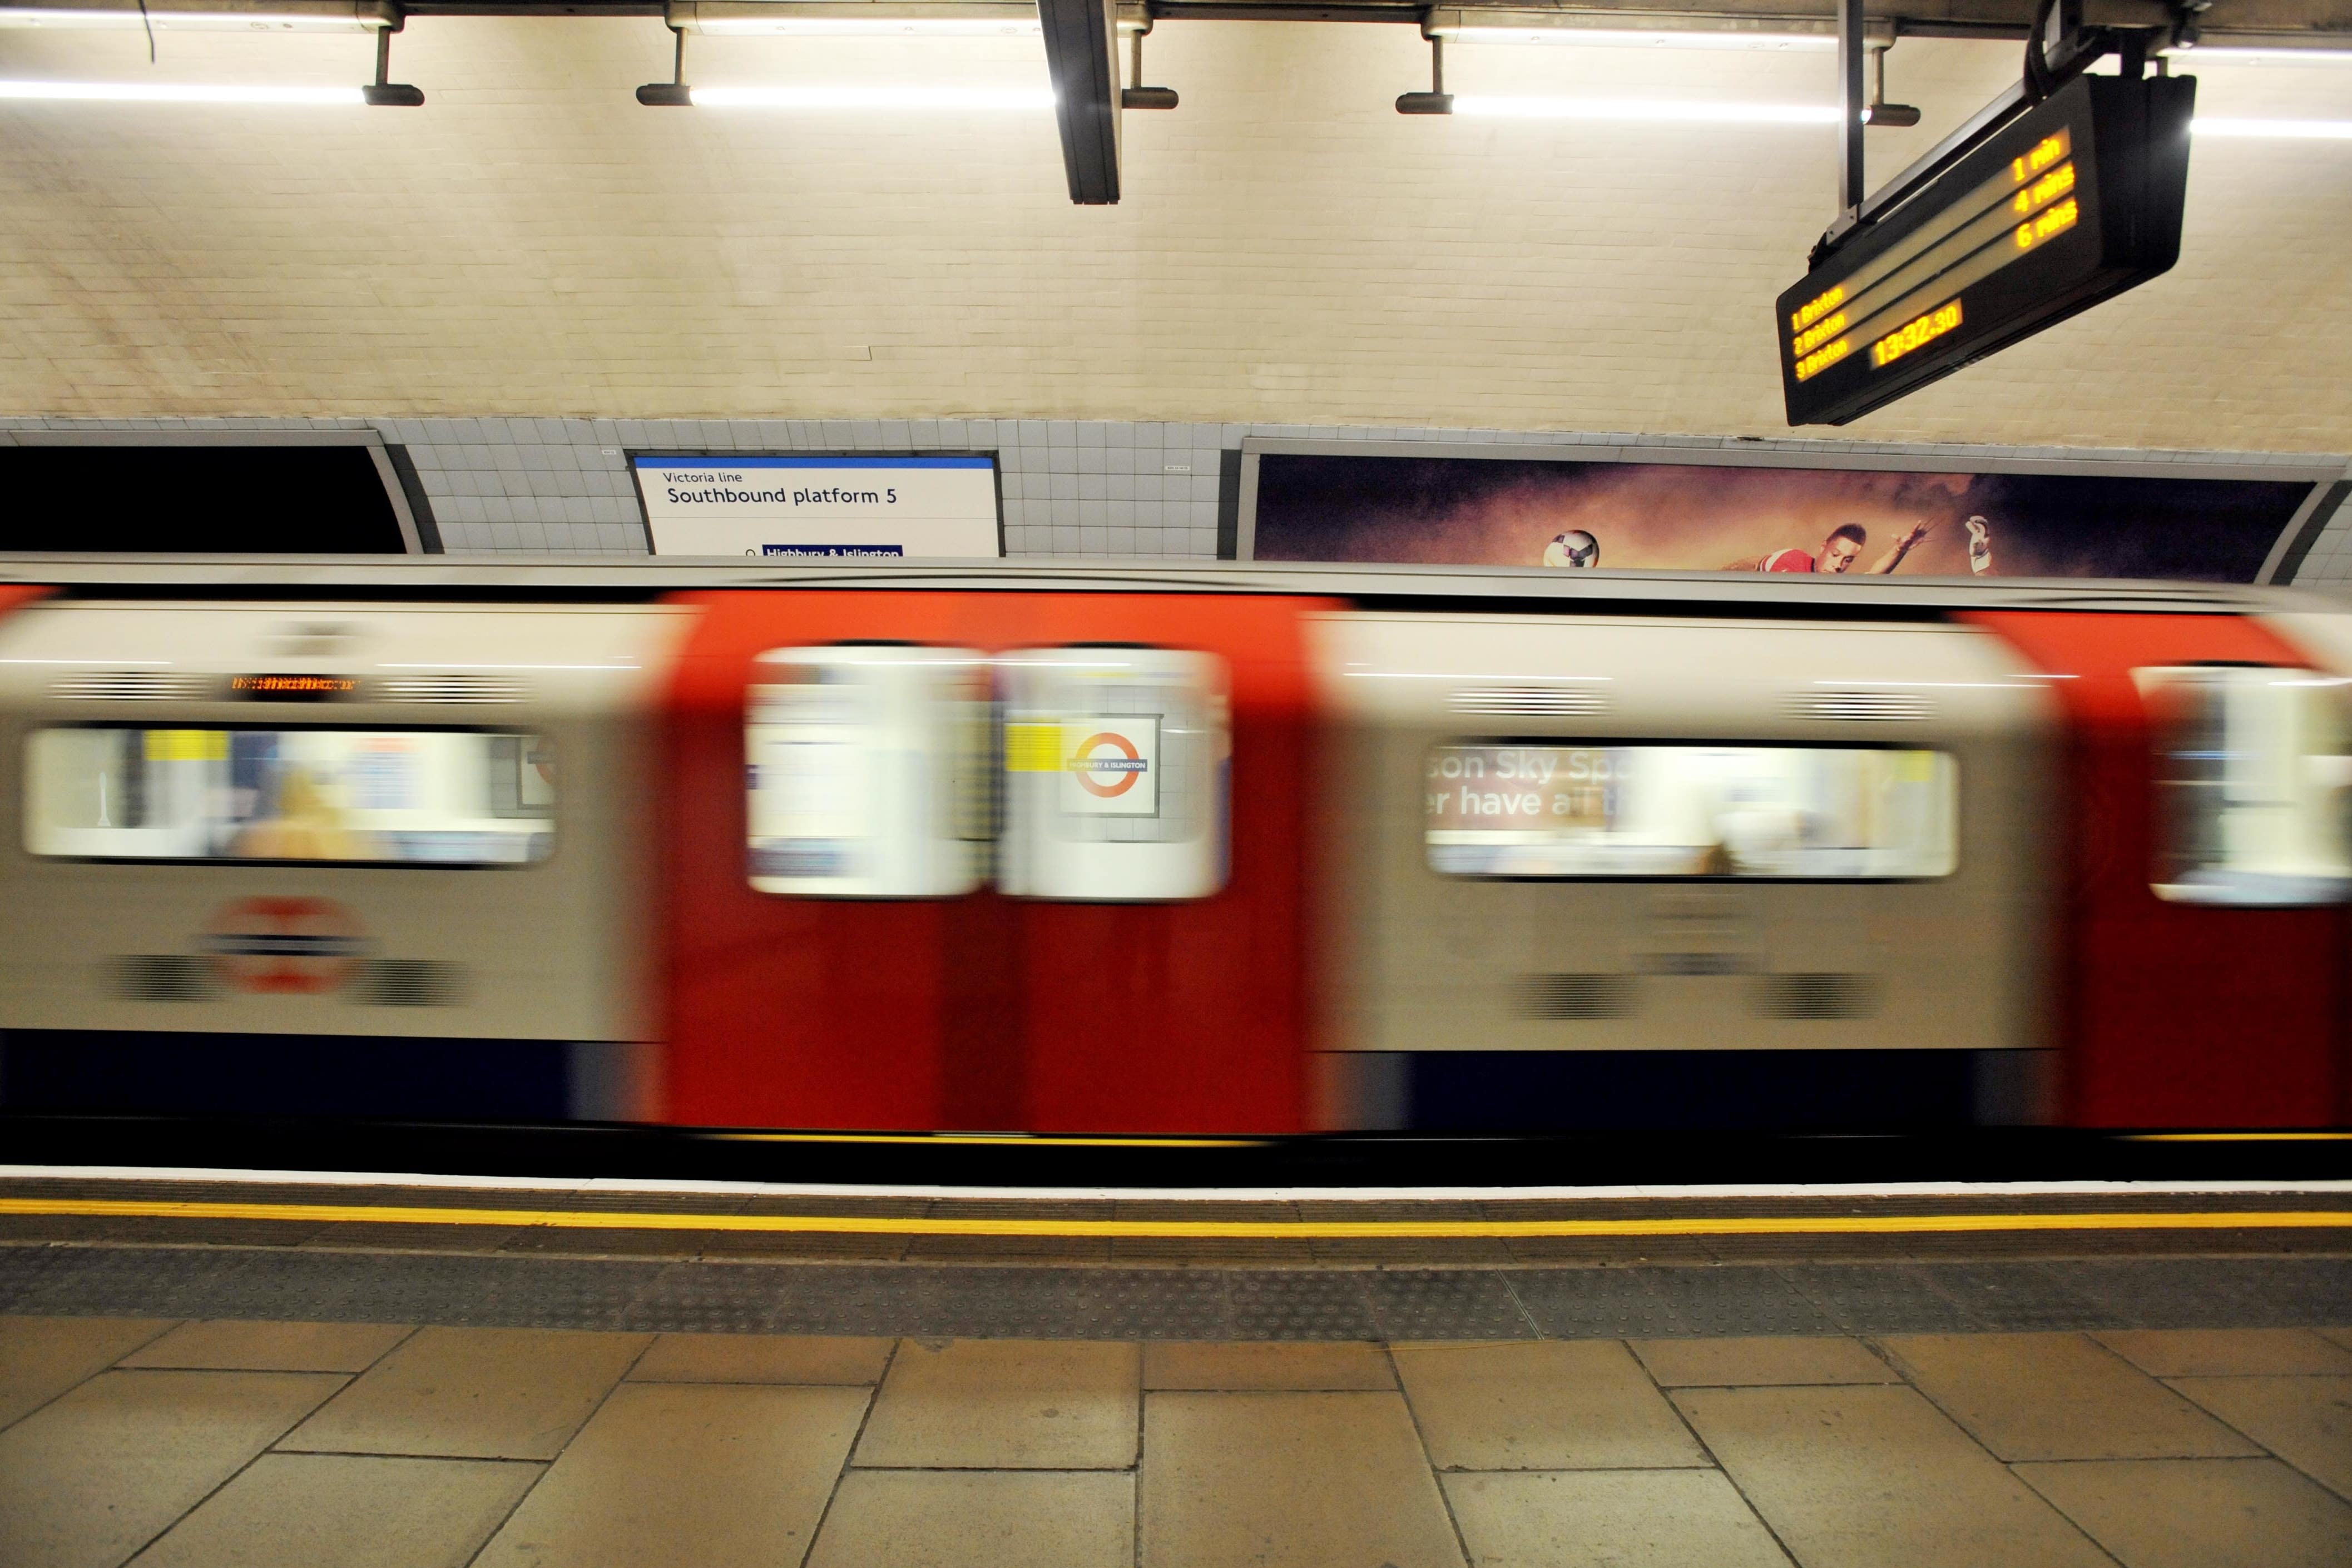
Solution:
(2321, 473)
(629, 455)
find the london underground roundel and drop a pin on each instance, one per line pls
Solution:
(1112, 765)
(1108, 765)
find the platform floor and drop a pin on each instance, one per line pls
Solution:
(255, 1443)
(284, 1385)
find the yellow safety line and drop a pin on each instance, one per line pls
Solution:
(1313, 1229)
(1026, 1139)
(2234, 1137)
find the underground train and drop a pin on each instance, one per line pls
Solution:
(1194, 850)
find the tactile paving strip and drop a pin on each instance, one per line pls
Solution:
(1050, 1302)
(1442, 1303)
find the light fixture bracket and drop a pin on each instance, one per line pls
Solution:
(673, 93)
(383, 93)
(1878, 111)
(1139, 96)
(1436, 100)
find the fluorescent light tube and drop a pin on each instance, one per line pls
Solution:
(2274, 130)
(865, 26)
(175, 92)
(1670, 111)
(127, 18)
(1645, 110)
(1617, 39)
(2229, 54)
(979, 98)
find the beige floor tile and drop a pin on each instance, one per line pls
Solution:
(311, 1510)
(1869, 1477)
(2226, 1353)
(1761, 1362)
(689, 1474)
(2335, 1336)
(2307, 1421)
(2056, 1397)
(1003, 1403)
(1551, 1405)
(1608, 1519)
(979, 1518)
(224, 1345)
(484, 1394)
(40, 1358)
(1288, 1480)
(761, 1358)
(1265, 1364)
(90, 1479)
(2200, 1513)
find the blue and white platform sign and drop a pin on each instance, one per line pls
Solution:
(820, 508)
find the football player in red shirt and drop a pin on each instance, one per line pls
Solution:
(1839, 552)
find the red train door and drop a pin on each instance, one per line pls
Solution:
(2170, 1014)
(979, 1011)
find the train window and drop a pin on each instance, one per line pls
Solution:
(409, 797)
(2253, 770)
(1788, 812)
(1115, 763)
(870, 771)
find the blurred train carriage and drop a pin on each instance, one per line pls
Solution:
(1212, 852)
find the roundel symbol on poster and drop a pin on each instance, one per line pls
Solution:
(285, 947)
(1113, 766)
(1125, 765)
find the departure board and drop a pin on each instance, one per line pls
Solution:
(2072, 203)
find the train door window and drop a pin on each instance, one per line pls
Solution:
(1116, 763)
(1602, 810)
(2253, 781)
(870, 771)
(410, 796)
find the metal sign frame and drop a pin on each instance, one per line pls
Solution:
(2329, 477)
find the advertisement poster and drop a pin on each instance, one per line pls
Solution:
(1483, 511)
(862, 507)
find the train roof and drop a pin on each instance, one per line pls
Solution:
(1501, 589)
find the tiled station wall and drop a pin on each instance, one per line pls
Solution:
(1289, 253)
(1070, 488)
(1287, 249)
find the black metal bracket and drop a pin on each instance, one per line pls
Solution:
(1892, 116)
(1436, 100)
(1852, 106)
(673, 93)
(1137, 96)
(1082, 60)
(2058, 50)
(383, 93)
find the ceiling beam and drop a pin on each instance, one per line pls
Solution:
(1082, 56)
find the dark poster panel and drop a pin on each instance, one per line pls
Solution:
(1474, 511)
(272, 500)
